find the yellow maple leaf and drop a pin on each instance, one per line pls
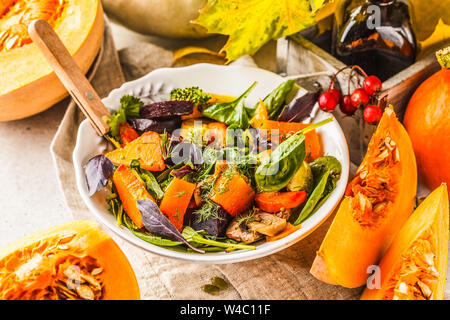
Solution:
(251, 23)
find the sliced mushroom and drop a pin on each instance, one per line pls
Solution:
(241, 232)
(285, 214)
(267, 223)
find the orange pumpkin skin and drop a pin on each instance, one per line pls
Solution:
(429, 221)
(29, 85)
(427, 120)
(82, 239)
(351, 245)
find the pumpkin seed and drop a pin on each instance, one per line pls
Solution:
(220, 283)
(210, 289)
(426, 291)
(97, 271)
(85, 292)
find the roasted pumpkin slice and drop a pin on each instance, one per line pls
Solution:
(378, 201)
(147, 149)
(232, 190)
(415, 266)
(29, 84)
(130, 189)
(71, 261)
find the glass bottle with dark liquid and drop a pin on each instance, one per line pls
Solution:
(374, 34)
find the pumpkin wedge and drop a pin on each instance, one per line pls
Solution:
(28, 84)
(147, 149)
(415, 266)
(378, 201)
(74, 260)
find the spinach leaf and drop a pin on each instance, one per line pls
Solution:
(276, 100)
(327, 171)
(159, 225)
(97, 172)
(320, 165)
(313, 199)
(198, 237)
(277, 170)
(231, 113)
(129, 108)
(155, 240)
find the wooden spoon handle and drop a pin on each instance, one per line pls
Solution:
(70, 74)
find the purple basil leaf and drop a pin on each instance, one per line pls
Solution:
(299, 108)
(97, 171)
(157, 224)
(159, 125)
(166, 109)
(180, 173)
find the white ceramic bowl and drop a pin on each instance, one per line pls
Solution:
(230, 80)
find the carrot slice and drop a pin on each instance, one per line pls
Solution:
(130, 189)
(287, 231)
(176, 201)
(232, 192)
(278, 201)
(127, 133)
(147, 149)
(312, 141)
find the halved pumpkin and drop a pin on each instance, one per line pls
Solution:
(378, 201)
(28, 83)
(415, 266)
(74, 260)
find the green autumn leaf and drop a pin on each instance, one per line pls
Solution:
(252, 23)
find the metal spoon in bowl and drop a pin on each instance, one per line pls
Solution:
(70, 75)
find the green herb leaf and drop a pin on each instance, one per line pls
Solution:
(129, 108)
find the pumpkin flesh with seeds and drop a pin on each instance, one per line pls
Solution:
(72, 261)
(29, 85)
(415, 266)
(378, 201)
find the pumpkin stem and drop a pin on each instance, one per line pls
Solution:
(443, 57)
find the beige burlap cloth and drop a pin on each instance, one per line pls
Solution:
(284, 275)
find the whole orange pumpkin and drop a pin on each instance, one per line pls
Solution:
(427, 120)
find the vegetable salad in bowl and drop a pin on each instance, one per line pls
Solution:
(203, 172)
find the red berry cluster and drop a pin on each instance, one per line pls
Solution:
(359, 98)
